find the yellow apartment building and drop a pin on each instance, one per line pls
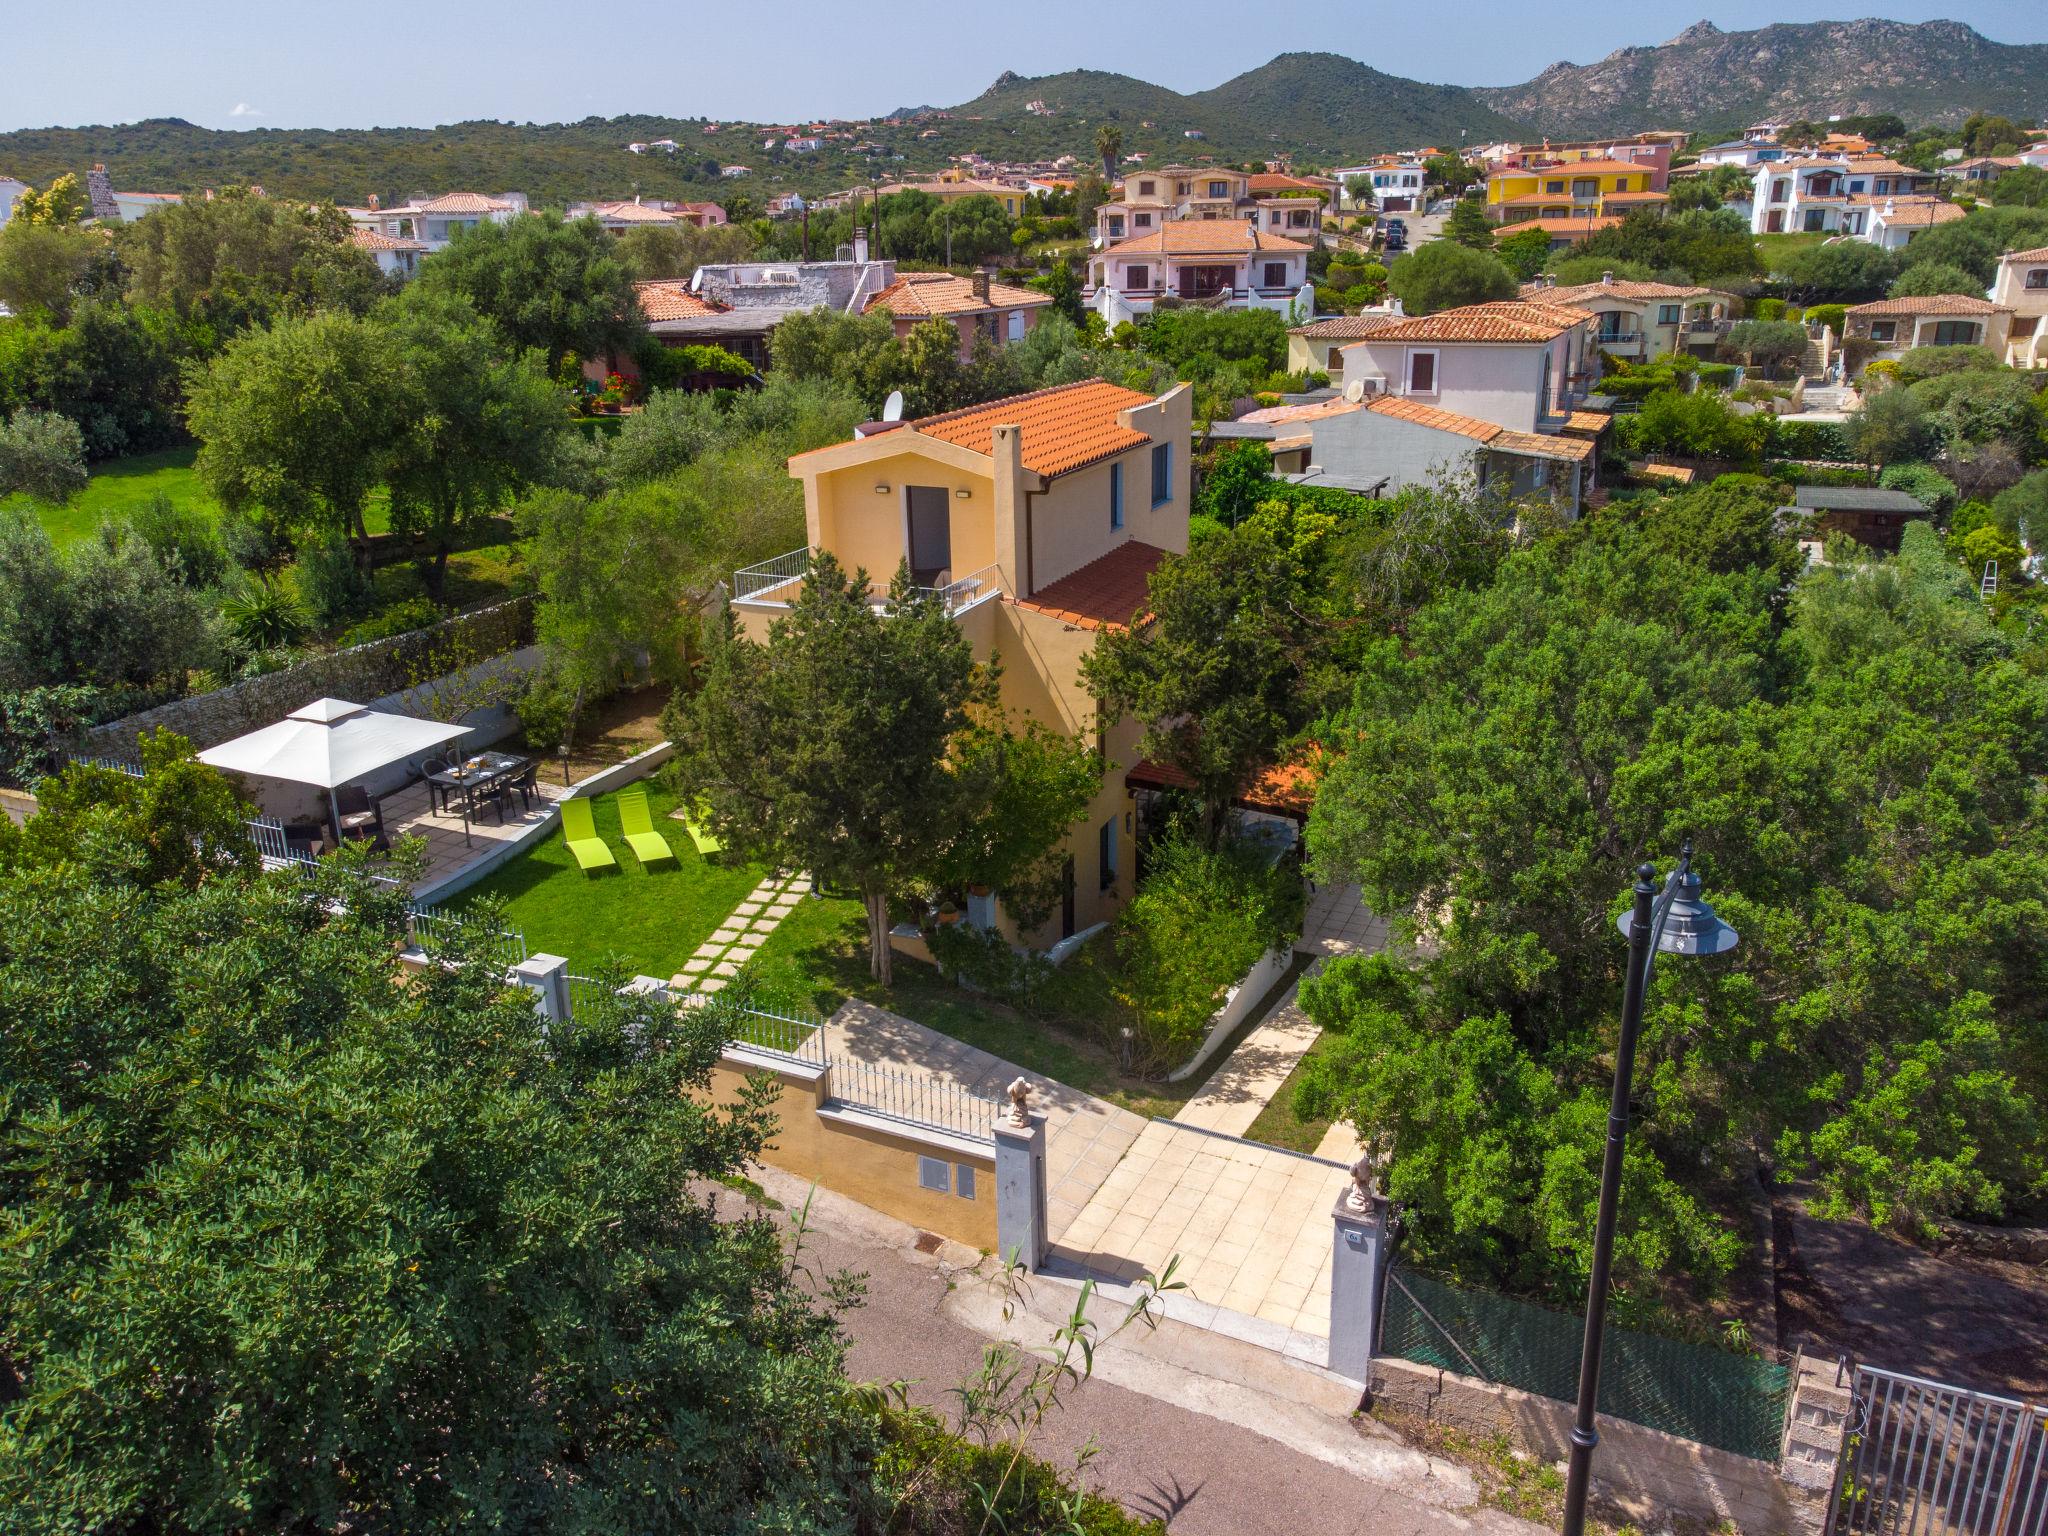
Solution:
(1037, 520)
(1603, 187)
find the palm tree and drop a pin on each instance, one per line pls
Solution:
(1109, 144)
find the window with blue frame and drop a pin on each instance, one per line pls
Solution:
(1162, 473)
(1116, 496)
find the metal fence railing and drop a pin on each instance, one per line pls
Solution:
(1735, 1402)
(780, 576)
(112, 764)
(1921, 1458)
(786, 1031)
(438, 933)
(272, 845)
(913, 1097)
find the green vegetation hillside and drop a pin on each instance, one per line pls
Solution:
(1342, 107)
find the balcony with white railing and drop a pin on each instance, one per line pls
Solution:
(774, 584)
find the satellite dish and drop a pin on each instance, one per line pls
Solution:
(697, 281)
(1355, 391)
(892, 408)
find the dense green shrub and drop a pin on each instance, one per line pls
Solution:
(332, 587)
(1810, 440)
(1699, 426)
(399, 619)
(1924, 483)
(1200, 920)
(1937, 362)
(1833, 316)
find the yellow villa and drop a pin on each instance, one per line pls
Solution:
(1599, 187)
(1037, 520)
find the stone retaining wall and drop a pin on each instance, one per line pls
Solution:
(362, 673)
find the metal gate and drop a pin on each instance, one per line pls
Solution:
(1920, 1458)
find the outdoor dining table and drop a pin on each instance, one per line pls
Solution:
(476, 773)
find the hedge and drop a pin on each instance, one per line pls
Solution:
(1810, 440)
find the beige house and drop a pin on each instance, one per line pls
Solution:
(1890, 328)
(977, 306)
(1641, 321)
(1319, 345)
(1037, 520)
(1220, 262)
(2022, 287)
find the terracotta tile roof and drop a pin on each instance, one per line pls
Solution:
(1542, 446)
(1266, 183)
(458, 202)
(1105, 593)
(1635, 197)
(1343, 327)
(1285, 789)
(1931, 304)
(1569, 227)
(1402, 409)
(629, 213)
(373, 240)
(916, 295)
(1580, 168)
(1277, 415)
(671, 299)
(1588, 421)
(1203, 237)
(1878, 165)
(1063, 429)
(2039, 253)
(1620, 288)
(1507, 320)
(1679, 472)
(1911, 212)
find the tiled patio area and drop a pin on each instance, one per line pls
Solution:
(409, 812)
(1250, 1224)
(1337, 923)
(1084, 1136)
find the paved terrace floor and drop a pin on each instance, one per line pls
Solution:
(410, 812)
(1084, 1136)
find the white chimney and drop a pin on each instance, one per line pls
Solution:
(860, 244)
(1607, 278)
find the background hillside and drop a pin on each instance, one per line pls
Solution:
(1320, 107)
(1927, 72)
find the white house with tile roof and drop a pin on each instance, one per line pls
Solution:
(434, 221)
(1224, 263)
(395, 255)
(1522, 364)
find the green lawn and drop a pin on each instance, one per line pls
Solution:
(650, 923)
(1773, 249)
(646, 921)
(120, 486)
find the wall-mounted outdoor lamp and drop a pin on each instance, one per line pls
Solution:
(881, 490)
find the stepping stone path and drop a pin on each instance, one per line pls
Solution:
(716, 961)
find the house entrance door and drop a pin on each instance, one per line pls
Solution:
(1206, 282)
(931, 535)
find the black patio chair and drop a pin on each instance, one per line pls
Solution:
(494, 792)
(362, 818)
(437, 794)
(307, 837)
(527, 782)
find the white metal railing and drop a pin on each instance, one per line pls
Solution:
(965, 591)
(272, 844)
(776, 581)
(435, 932)
(783, 571)
(913, 1097)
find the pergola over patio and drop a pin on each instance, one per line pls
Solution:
(329, 743)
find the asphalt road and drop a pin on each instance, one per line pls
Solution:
(1204, 1474)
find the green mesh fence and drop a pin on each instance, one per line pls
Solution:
(1709, 1395)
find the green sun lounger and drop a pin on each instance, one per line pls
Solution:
(693, 823)
(577, 826)
(648, 845)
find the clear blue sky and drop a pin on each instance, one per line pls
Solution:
(365, 63)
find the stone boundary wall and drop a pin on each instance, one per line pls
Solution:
(362, 673)
(1645, 1471)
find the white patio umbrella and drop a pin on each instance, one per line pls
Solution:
(328, 743)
